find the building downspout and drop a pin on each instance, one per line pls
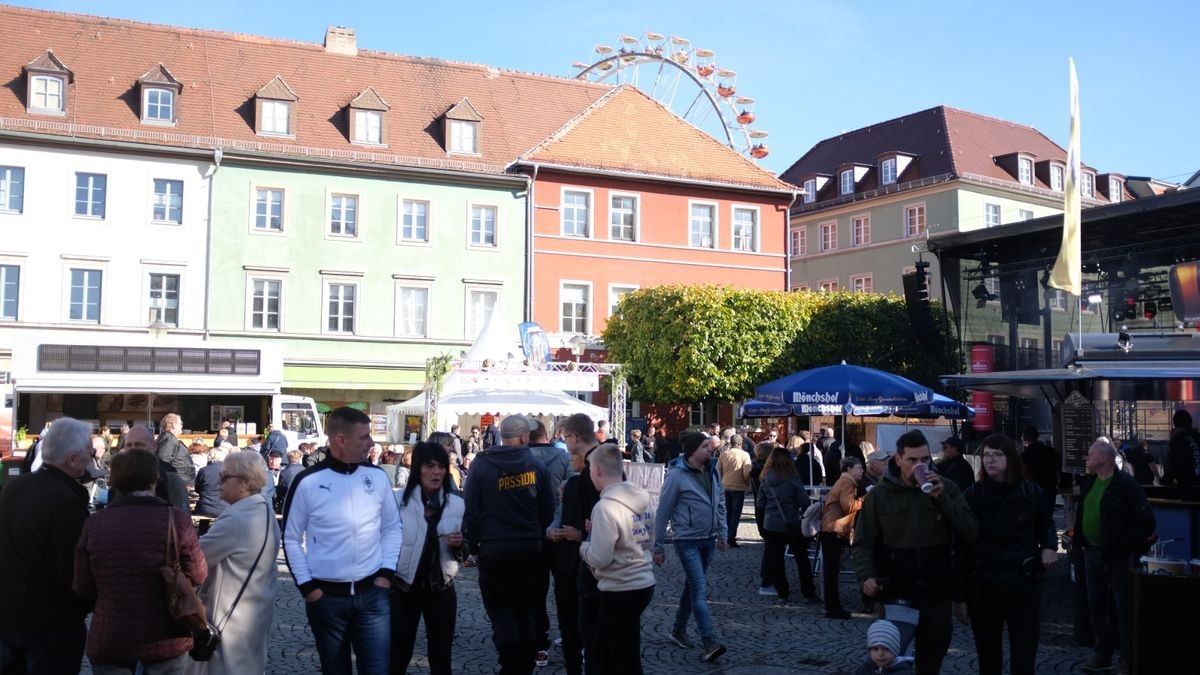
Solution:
(529, 211)
(787, 242)
(208, 238)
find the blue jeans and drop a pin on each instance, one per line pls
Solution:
(362, 620)
(695, 556)
(1108, 583)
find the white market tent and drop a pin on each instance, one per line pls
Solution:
(507, 387)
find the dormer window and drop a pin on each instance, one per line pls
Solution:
(462, 129)
(1056, 178)
(1025, 171)
(887, 171)
(1115, 190)
(160, 91)
(810, 190)
(1087, 185)
(367, 118)
(847, 182)
(275, 109)
(46, 80)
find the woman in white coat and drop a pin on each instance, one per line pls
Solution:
(431, 512)
(235, 550)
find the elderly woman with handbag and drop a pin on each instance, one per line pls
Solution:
(119, 563)
(239, 594)
(837, 530)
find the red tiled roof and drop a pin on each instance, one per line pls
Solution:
(628, 132)
(220, 73)
(945, 140)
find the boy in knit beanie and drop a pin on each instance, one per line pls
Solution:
(883, 643)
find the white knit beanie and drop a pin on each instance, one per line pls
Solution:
(884, 634)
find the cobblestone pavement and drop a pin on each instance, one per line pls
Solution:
(762, 636)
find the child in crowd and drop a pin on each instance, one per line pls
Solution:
(883, 643)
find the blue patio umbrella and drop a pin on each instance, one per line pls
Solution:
(838, 390)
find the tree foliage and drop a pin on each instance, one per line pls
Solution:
(692, 343)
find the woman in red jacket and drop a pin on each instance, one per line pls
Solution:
(117, 564)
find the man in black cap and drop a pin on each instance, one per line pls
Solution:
(953, 465)
(1042, 463)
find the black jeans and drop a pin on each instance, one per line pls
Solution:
(764, 579)
(1108, 587)
(932, 639)
(440, 609)
(734, 501)
(832, 546)
(589, 613)
(508, 582)
(541, 620)
(619, 630)
(990, 610)
(45, 651)
(776, 569)
(565, 567)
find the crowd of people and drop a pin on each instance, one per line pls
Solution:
(374, 538)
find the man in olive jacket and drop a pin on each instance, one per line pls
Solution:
(903, 541)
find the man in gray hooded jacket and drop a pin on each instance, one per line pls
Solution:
(693, 502)
(558, 464)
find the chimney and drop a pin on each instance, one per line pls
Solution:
(341, 40)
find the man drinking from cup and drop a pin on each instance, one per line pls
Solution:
(902, 548)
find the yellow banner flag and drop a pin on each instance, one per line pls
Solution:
(1067, 273)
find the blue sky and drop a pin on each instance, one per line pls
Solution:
(816, 67)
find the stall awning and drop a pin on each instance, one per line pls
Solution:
(335, 377)
(1098, 380)
(91, 383)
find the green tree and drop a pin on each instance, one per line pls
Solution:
(692, 343)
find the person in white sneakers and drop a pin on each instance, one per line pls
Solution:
(618, 554)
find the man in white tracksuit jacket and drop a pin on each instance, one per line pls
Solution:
(341, 537)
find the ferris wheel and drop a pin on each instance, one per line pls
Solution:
(683, 78)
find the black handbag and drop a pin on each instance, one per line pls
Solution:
(205, 642)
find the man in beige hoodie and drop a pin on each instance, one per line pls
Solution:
(618, 553)
(734, 466)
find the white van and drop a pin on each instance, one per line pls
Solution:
(297, 418)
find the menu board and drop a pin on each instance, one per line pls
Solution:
(1078, 432)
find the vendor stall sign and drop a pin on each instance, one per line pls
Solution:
(535, 380)
(1078, 432)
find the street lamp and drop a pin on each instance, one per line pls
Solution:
(578, 346)
(158, 328)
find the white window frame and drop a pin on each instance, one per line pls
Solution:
(588, 304)
(84, 266)
(992, 284)
(990, 209)
(148, 277)
(458, 139)
(253, 276)
(91, 190)
(799, 241)
(1056, 177)
(637, 214)
(283, 210)
(327, 283)
(829, 285)
(34, 94)
(860, 225)
(495, 246)
(1024, 214)
(911, 230)
(865, 280)
(1025, 170)
(157, 201)
(800, 287)
(810, 191)
(589, 213)
(413, 284)
(714, 228)
(170, 93)
(1057, 299)
(828, 243)
(887, 177)
(471, 332)
(6, 191)
(696, 414)
(400, 209)
(614, 297)
(755, 235)
(330, 221)
(1087, 184)
(1115, 190)
(20, 282)
(366, 133)
(846, 182)
(270, 116)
